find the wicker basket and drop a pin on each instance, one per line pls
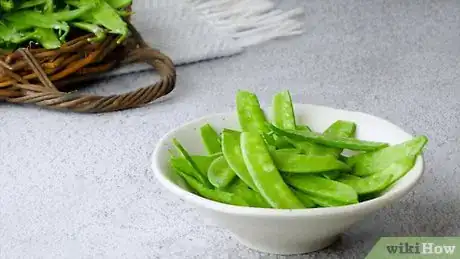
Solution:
(51, 78)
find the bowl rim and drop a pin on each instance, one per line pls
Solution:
(364, 207)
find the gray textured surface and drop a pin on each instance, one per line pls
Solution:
(79, 186)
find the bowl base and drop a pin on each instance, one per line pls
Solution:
(287, 249)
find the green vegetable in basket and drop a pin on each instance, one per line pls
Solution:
(105, 15)
(26, 20)
(6, 5)
(98, 31)
(117, 4)
(46, 37)
(35, 21)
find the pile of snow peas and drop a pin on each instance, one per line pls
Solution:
(48, 22)
(283, 165)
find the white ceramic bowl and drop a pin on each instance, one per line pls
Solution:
(285, 231)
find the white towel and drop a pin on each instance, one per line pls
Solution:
(195, 30)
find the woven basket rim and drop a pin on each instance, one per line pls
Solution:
(33, 75)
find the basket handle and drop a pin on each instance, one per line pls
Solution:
(47, 95)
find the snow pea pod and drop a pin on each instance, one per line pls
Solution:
(250, 115)
(304, 198)
(370, 163)
(325, 202)
(231, 150)
(210, 139)
(30, 3)
(282, 143)
(323, 188)
(99, 32)
(103, 14)
(283, 111)
(253, 198)
(303, 164)
(332, 175)
(397, 170)
(302, 128)
(366, 185)
(213, 194)
(26, 19)
(336, 142)
(117, 4)
(198, 173)
(283, 117)
(6, 5)
(220, 174)
(70, 15)
(9, 34)
(46, 37)
(307, 147)
(339, 128)
(264, 173)
(203, 163)
(288, 150)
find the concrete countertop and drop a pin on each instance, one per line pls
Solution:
(80, 186)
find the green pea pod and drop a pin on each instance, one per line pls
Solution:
(117, 4)
(366, 185)
(288, 150)
(26, 19)
(283, 117)
(199, 174)
(29, 4)
(70, 15)
(325, 202)
(337, 129)
(396, 170)
(336, 142)
(9, 34)
(220, 174)
(99, 32)
(49, 6)
(322, 187)
(303, 128)
(103, 14)
(370, 163)
(303, 164)
(250, 115)
(212, 194)
(231, 150)
(305, 147)
(210, 139)
(341, 129)
(203, 163)
(304, 198)
(283, 111)
(46, 37)
(263, 171)
(332, 175)
(6, 5)
(282, 143)
(253, 198)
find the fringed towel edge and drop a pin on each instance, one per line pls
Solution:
(250, 22)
